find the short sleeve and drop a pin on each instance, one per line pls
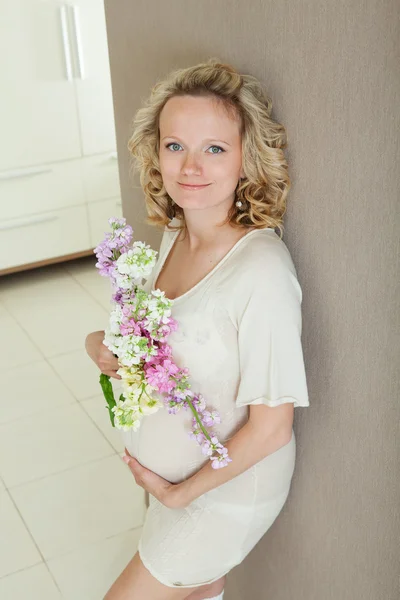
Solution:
(272, 369)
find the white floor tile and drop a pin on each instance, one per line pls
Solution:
(17, 550)
(96, 409)
(29, 389)
(49, 442)
(16, 284)
(88, 573)
(87, 275)
(35, 583)
(16, 348)
(80, 374)
(57, 313)
(83, 505)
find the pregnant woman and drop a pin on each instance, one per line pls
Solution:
(215, 180)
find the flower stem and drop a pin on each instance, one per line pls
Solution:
(141, 393)
(194, 411)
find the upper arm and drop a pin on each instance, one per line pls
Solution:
(267, 420)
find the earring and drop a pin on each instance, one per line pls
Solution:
(239, 203)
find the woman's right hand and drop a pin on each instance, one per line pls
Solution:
(101, 355)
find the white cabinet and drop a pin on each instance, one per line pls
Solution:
(58, 163)
(100, 176)
(39, 121)
(28, 240)
(93, 84)
(32, 190)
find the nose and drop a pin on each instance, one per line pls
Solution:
(191, 165)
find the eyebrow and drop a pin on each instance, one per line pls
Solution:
(206, 140)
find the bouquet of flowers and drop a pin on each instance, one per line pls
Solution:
(139, 326)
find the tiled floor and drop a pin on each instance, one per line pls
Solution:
(70, 510)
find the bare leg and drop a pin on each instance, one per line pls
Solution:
(136, 583)
(207, 591)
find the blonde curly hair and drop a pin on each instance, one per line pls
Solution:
(264, 188)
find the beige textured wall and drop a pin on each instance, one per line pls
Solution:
(332, 70)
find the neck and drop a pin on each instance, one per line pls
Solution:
(203, 227)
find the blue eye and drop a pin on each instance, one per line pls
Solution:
(172, 144)
(219, 147)
(176, 144)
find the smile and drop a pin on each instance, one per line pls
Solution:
(193, 187)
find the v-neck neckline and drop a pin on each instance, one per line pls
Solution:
(210, 273)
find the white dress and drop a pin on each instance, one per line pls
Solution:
(240, 337)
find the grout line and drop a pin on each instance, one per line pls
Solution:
(66, 353)
(54, 580)
(26, 416)
(44, 563)
(66, 470)
(25, 364)
(94, 543)
(41, 411)
(113, 451)
(93, 297)
(28, 531)
(26, 333)
(21, 570)
(98, 428)
(84, 546)
(15, 319)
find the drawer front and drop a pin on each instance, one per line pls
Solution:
(29, 191)
(42, 236)
(99, 213)
(101, 176)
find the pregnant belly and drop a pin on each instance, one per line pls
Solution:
(162, 444)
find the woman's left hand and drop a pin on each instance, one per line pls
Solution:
(169, 494)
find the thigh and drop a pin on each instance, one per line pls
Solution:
(136, 583)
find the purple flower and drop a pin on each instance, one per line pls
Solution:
(160, 370)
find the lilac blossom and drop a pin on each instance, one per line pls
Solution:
(140, 324)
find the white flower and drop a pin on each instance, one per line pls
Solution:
(149, 409)
(134, 265)
(131, 374)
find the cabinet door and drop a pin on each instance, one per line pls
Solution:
(39, 189)
(93, 82)
(100, 176)
(38, 113)
(98, 214)
(41, 236)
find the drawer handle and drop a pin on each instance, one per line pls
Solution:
(65, 38)
(78, 40)
(24, 173)
(28, 221)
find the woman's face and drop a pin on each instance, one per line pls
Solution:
(200, 144)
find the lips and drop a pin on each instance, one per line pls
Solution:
(193, 185)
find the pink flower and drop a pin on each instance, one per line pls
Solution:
(160, 370)
(159, 376)
(217, 462)
(210, 418)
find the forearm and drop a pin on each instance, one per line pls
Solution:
(92, 342)
(246, 448)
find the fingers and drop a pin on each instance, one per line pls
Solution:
(112, 374)
(108, 365)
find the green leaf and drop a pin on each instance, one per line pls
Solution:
(108, 392)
